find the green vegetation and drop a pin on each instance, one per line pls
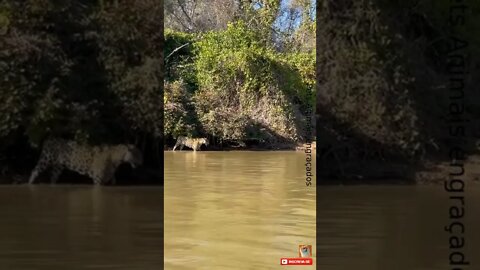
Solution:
(237, 72)
(83, 70)
(240, 82)
(93, 71)
(383, 85)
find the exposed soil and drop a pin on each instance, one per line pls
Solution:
(437, 173)
(253, 147)
(374, 172)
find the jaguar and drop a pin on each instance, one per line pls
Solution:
(97, 162)
(194, 143)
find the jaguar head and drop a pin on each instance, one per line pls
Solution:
(133, 156)
(204, 141)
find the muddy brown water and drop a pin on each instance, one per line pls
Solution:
(80, 227)
(236, 210)
(245, 210)
(392, 227)
(229, 210)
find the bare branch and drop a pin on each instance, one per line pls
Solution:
(176, 49)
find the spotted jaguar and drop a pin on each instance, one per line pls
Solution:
(96, 162)
(194, 143)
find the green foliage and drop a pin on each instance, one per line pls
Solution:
(131, 53)
(363, 78)
(37, 69)
(174, 40)
(234, 55)
(382, 72)
(178, 56)
(80, 70)
(241, 88)
(178, 120)
(302, 81)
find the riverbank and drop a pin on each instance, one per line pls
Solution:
(380, 173)
(437, 173)
(368, 173)
(273, 147)
(124, 176)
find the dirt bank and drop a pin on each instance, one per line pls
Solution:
(375, 172)
(437, 173)
(256, 147)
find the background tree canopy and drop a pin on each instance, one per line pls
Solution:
(244, 72)
(83, 70)
(235, 71)
(383, 89)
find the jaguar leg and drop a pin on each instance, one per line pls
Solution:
(97, 180)
(41, 166)
(176, 145)
(56, 172)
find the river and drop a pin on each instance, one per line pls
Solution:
(236, 210)
(80, 227)
(392, 227)
(229, 210)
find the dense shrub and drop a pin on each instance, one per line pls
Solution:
(241, 88)
(81, 70)
(363, 80)
(382, 79)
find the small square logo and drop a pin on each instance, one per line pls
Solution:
(305, 251)
(284, 262)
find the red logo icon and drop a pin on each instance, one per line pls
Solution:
(296, 261)
(304, 257)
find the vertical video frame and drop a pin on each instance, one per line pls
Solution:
(397, 126)
(239, 134)
(81, 134)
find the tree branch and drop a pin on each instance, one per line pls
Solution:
(176, 49)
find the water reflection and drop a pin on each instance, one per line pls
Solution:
(236, 210)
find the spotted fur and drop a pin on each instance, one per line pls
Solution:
(194, 143)
(96, 162)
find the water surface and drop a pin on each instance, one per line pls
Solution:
(80, 227)
(392, 227)
(230, 210)
(236, 210)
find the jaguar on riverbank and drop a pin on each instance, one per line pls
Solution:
(96, 162)
(194, 143)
